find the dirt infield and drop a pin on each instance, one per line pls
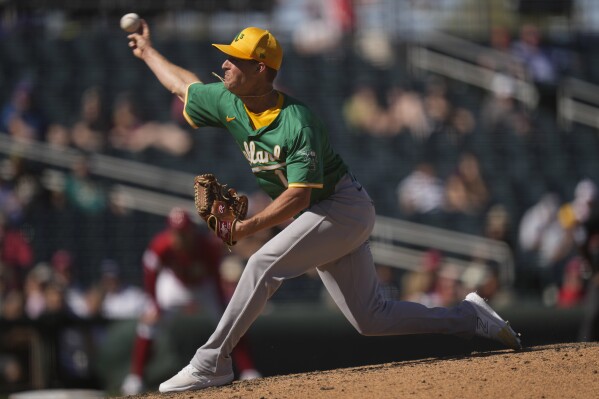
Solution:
(554, 371)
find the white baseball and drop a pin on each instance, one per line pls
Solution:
(130, 22)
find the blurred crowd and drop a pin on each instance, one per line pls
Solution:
(469, 162)
(489, 165)
(119, 128)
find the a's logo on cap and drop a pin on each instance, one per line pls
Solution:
(239, 37)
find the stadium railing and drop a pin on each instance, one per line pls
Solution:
(460, 59)
(577, 102)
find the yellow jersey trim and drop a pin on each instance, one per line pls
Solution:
(306, 185)
(265, 118)
(185, 115)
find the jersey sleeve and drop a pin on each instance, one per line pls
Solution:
(202, 104)
(304, 159)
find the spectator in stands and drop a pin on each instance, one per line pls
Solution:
(444, 288)
(181, 274)
(406, 113)
(12, 200)
(421, 192)
(20, 118)
(418, 285)
(58, 136)
(535, 222)
(500, 39)
(459, 135)
(528, 49)
(16, 254)
(26, 186)
(13, 305)
(499, 106)
(319, 31)
(119, 300)
(474, 183)
(55, 297)
(11, 372)
(459, 214)
(585, 199)
(481, 277)
(124, 137)
(90, 130)
(448, 289)
(35, 285)
(436, 103)
(364, 114)
(444, 144)
(65, 284)
(501, 58)
(498, 225)
(83, 192)
(571, 291)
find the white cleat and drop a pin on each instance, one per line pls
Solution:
(490, 325)
(190, 379)
(132, 385)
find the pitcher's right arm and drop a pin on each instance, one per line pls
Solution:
(174, 78)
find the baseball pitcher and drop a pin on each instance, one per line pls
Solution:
(288, 149)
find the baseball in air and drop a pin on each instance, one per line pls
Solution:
(130, 22)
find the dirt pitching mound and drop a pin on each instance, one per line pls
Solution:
(554, 371)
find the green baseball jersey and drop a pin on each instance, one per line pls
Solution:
(292, 151)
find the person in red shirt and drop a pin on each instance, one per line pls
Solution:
(571, 293)
(181, 274)
(16, 255)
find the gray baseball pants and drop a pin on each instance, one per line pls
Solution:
(332, 236)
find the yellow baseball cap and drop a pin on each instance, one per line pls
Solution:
(255, 44)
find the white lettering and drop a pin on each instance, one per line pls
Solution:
(260, 156)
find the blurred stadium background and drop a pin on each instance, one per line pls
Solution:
(472, 124)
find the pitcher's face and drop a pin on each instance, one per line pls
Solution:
(241, 76)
